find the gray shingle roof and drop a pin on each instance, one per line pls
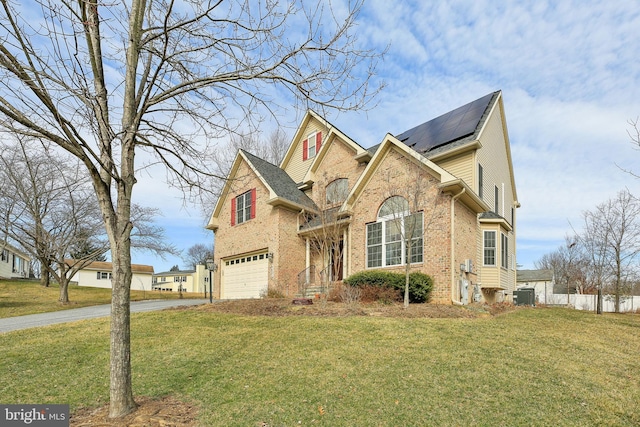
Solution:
(279, 181)
(490, 215)
(534, 276)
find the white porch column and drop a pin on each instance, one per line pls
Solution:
(307, 262)
(344, 254)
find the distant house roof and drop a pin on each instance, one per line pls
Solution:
(9, 247)
(174, 272)
(457, 126)
(279, 181)
(534, 276)
(102, 266)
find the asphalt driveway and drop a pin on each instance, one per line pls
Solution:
(43, 319)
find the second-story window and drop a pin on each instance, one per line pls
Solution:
(337, 191)
(243, 207)
(311, 145)
(480, 181)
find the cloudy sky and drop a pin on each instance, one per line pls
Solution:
(570, 77)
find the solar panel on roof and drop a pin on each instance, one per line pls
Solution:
(451, 126)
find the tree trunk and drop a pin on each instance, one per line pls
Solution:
(44, 275)
(121, 390)
(64, 290)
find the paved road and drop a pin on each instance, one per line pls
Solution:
(43, 319)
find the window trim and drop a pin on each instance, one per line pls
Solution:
(339, 194)
(504, 251)
(488, 251)
(250, 210)
(480, 181)
(313, 141)
(388, 249)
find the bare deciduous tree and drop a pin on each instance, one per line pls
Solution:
(111, 81)
(570, 266)
(634, 135)
(612, 240)
(324, 231)
(48, 207)
(198, 254)
(414, 203)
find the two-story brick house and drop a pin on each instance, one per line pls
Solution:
(333, 208)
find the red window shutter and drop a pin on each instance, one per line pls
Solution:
(233, 211)
(305, 149)
(253, 203)
(318, 141)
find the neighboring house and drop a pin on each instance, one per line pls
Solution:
(542, 281)
(13, 262)
(267, 227)
(98, 275)
(182, 280)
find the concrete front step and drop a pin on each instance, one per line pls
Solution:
(311, 291)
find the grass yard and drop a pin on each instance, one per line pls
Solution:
(529, 367)
(18, 298)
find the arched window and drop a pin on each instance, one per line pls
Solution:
(337, 191)
(387, 237)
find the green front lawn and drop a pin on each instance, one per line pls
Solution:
(18, 298)
(531, 367)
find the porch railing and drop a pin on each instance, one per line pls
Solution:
(306, 278)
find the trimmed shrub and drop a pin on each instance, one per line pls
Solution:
(420, 284)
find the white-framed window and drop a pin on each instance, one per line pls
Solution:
(243, 207)
(504, 251)
(337, 191)
(311, 145)
(103, 275)
(489, 248)
(18, 264)
(387, 237)
(5, 255)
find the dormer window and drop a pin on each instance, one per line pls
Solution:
(311, 145)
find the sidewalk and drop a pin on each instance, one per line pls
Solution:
(44, 319)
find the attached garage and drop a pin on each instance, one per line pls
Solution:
(245, 276)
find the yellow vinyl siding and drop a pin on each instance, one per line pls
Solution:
(461, 166)
(493, 158)
(496, 172)
(297, 168)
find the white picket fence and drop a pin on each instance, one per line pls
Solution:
(588, 302)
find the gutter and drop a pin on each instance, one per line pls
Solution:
(453, 240)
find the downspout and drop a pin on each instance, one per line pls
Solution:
(453, 229)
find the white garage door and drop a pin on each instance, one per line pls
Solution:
(245, 277)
